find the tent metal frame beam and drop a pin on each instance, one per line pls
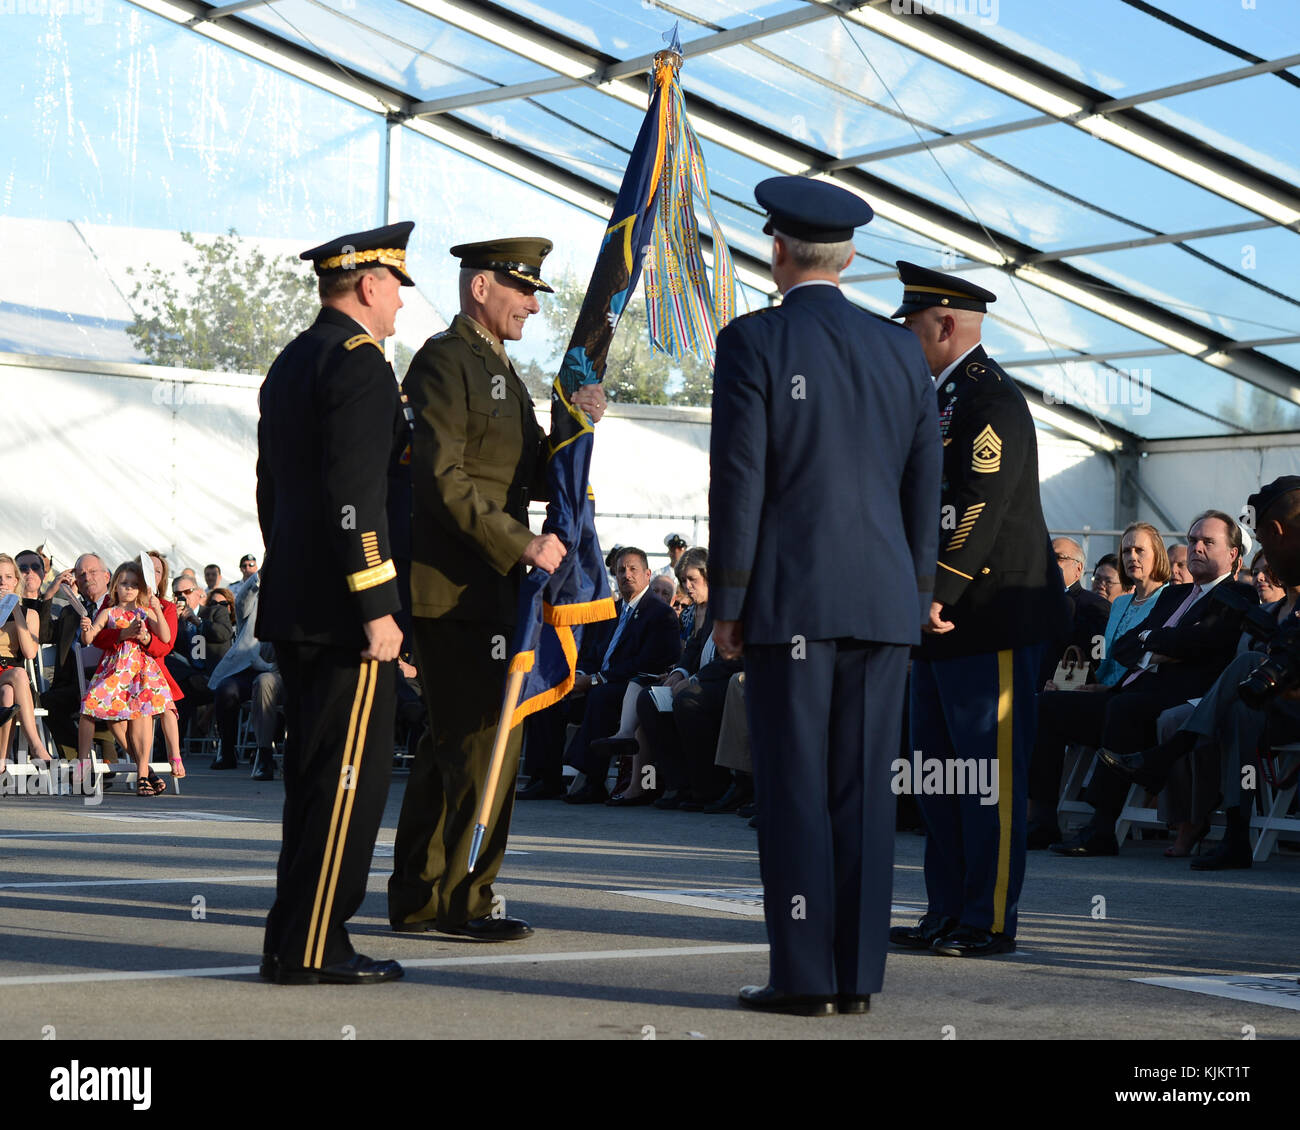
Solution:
(1109, 107)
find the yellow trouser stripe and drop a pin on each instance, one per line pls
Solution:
(349, 777)
(315, 944)
(1006, 799)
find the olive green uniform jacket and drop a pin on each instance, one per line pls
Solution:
(478, 456)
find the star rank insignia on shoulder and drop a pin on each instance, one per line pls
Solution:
(987, 457)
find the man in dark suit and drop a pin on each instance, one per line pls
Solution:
(825, 467)
(67, 690)
(997, 600)
(1089, 612)
(646, 641)
(330, 421)
(1190, 639)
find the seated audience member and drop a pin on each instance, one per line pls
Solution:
(645, 643)
(1106, 580)
(231, 682)
(1178, 573)
(19, 641)
(1266, 583)
(267, 703)
(1222, 728)
(681, 601)
(1144, 570)
(733, 743)
(683, 744)
(544, 731)
(89, 580)
(245, 590)
(1089, 612)
(665, 588)
(31, 587)
(1186, 641)
(212, 577)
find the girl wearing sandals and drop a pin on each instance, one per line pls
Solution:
(18, 642)
(129, 685)
(159, 647)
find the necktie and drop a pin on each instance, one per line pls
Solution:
(1170, 623)
(618, 631)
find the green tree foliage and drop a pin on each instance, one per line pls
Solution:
(636, 373)
(232, 311)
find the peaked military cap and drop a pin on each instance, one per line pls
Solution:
(923, 288)
(1269, 493)
(519, 258)
(379, 247)
(812, 210)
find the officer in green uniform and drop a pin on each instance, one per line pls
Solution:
(478, 456)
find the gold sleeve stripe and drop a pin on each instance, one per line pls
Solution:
(361, 339)
(957, 571)
(369, 578)
(370, 546)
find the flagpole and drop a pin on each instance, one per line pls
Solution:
(513, 687)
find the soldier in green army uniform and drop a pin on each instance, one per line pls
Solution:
(478, 456)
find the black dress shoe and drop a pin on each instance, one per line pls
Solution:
(670, 800)
(264, 766)
(688, 803)
(1083, 845)
(1228, 856)
(922, 936)
(620, 800)
(739, 793)
(971, 941)
(745, 811)
(767, 999)
(1134, 767)
(269, 968)
(357, 970)
(422, 927)
(593, 792)
(1039, 836)
(489, 929)
(220, 762)
(852, 1006)
(539, 788)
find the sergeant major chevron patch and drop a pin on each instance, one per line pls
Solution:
(987, 455)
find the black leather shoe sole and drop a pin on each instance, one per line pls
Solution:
(1223, 861)
(358, 971)
(852, 1006)
(921, 936)
(1080, 848)
(589, 795)
(490, 930)
(424, 927)
(1132, 769)
(767, 999)
(539, 790)
(220, 764)
(958, 946)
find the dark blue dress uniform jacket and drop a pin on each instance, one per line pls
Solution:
(331, 424)
(997, 577)
(815, 403)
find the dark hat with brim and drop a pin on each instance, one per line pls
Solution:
(379, 247)
(1269, 493)
(815, 211)
(923, 288)
(520, 258)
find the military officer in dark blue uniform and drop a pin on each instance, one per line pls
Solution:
(331, 429)
(998, 597)
(823, 510)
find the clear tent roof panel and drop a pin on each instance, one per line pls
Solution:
(549, 136)
(396, 44)
(1114, 179)
(999, 198)
(1266, 256)
(1137, 51)
(1287, 354)
(1262, 27)
(1183, 284)
(1228, 118)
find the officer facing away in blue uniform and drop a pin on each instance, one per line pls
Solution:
(825, 462)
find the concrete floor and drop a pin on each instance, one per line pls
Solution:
(142, 919)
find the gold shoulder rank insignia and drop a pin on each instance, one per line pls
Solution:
(361, 339)
(987, 457)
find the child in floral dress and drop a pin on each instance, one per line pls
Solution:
(128, 685)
